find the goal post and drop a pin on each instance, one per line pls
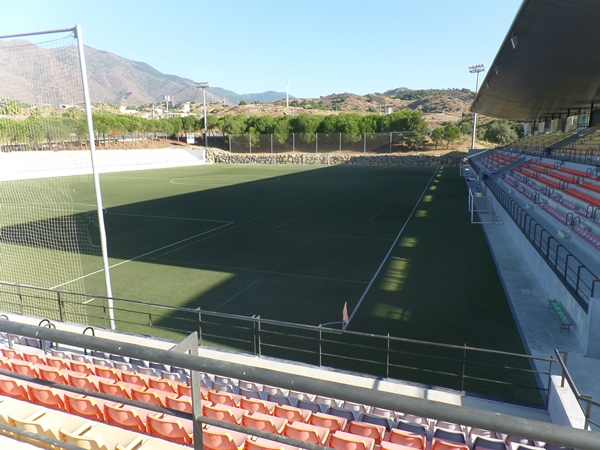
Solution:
(52, 231)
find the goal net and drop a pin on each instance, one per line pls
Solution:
(50, 235)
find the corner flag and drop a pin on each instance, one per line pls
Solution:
(345, 313)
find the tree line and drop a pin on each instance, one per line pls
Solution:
(37, 129)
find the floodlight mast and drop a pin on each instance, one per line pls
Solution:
(477, 68)
(203, 85)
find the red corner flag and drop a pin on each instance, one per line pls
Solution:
(345, 313)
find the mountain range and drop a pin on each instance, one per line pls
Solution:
(111, 78)
(116, 80)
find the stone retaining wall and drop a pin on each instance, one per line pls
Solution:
(216, 156)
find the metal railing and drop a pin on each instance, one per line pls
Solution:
(579, 280)
(495, 374)
(585, 401)
(177, 356)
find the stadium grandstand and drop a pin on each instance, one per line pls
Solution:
(64, 385)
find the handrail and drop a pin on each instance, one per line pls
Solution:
(562, 357)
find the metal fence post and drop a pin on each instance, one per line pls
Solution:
(320, 346)
(588, 409)
(316, 143)
(60, 306)
(387, 362)
(250, 141)
(464, 364)
(257, 349)
(199, 327)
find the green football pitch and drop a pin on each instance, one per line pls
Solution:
(294, 243)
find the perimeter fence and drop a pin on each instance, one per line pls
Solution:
(378, 143)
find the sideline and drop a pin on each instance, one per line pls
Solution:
(418, 202)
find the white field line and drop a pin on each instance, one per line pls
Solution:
(145, 254)
(168, 217)
(389, 251)
(248, 287)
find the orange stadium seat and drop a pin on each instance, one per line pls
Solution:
(84, 406)
(170, 428)
(224, 413)
(307, 432)
(291, 413)
(179, 402)
(407, 438)
(334, 423)
(256, 405)
(14, 388)
(53, 374)
(126, 416)
(264, 422)
(376, 432)
(215, 438)
(46, 396)
(341, 440)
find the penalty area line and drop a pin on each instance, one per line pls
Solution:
(144, 254)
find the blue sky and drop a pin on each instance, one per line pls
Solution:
(321, 46)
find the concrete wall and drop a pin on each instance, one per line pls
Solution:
(27, 165)
(216, 156)
(563, 407)
(548, 279)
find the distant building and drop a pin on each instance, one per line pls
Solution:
(388, 111)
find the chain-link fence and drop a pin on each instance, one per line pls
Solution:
(372, 143)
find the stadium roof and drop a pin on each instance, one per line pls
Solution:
(548, 64)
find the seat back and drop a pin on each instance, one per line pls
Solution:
(168, 428)
(289, 413)
(46, 396)
(134, 378)
(83, 406)
(407, 438)
(488, 443)
(215, 438)
(302, 434)
(441, 444)
(376, 432)
(334, 423)
(346, 441)
(53, 374)
(259, 423)
(13, 388)
(124, 417)
(179, 403)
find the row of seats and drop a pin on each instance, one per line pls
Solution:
(79, 431)
(590, 237)
(338, 424)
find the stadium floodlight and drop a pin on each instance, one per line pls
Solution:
(203, 85)
(477, 68)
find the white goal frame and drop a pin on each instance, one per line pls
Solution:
(90, 126)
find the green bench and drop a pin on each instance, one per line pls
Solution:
(565, 323)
